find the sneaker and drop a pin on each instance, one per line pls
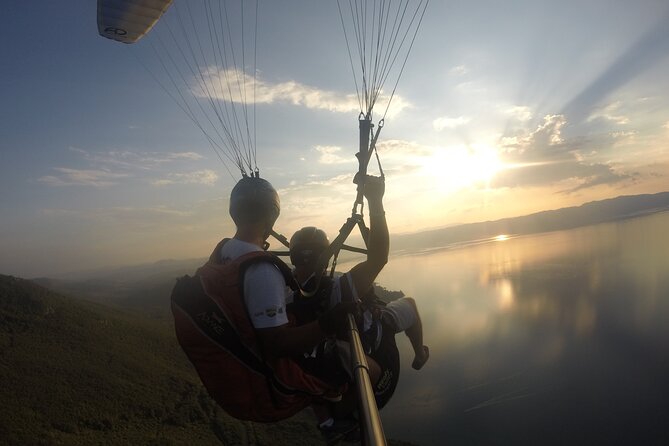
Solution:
(332, 396)
(340, 430)
(352, 436)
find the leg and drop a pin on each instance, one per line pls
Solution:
(403, 315)
(415, 335)
(374, 370)
(322, 412)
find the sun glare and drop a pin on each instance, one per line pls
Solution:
(457, 167)
(501, 238)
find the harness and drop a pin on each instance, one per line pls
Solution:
(379, 344)
(378, 340)
(306, 309)
(215, 331)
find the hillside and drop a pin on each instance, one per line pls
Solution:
(83, 374)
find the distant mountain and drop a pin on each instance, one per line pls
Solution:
(595, 212)
(118, 283)
(146, 288)
(146, 271)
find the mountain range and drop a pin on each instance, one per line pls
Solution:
(125, 281)
(596, 212)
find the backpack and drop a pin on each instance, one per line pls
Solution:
(214, 330)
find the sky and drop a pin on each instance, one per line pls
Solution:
(503, 109)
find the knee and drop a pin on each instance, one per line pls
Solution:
(374, 370)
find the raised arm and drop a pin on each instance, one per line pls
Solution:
(364, 273)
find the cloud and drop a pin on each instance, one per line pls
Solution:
(401, 149)
(550, 132)
(609, 112)
(216, 82)
(446, 122)
(135, 160)
(319, 183)
(519, 112)
(118, 213)
(105, 168)
(82, 177)
(543, 142)
(459, 70)
(544, 157)
(591, 175)
(329, 155)
(314, 201)
(206, 177)
(172, 156)
(470, 88)
(623, 135)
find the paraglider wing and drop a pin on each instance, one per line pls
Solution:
(128, 20)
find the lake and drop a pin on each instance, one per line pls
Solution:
(556, 338)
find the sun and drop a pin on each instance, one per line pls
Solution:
(457, 167)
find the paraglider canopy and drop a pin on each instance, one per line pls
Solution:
(128, 21)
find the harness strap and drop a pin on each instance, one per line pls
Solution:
(255, 257)
(189, 297)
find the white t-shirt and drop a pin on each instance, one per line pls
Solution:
(265, 289)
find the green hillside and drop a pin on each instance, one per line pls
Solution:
(79, 373)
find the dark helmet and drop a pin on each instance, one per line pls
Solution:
(254, 200)
(306, 245)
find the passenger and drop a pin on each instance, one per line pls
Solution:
(381, 321)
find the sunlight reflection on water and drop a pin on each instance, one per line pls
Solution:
(550, 338)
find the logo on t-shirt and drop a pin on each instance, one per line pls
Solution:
(273, 311)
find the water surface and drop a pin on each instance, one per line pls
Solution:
(558, 338)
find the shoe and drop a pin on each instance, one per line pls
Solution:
(353, 436)
(418, 363)
(340, 430)
(332, 396)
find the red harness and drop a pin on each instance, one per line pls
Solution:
(215, 331)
